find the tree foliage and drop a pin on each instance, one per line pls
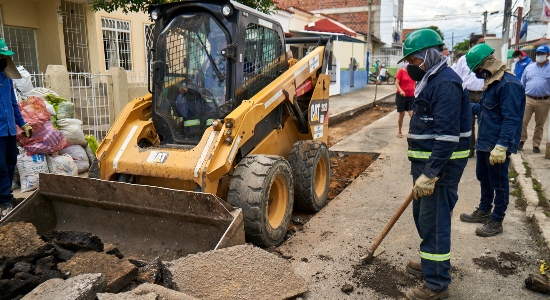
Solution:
(462, 46)
(436, 29)
(265, 6)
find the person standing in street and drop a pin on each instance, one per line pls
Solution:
(9, 117)
(472, 83)
(536, 79)
(522, 61)
(500, 114)
(404, 97)
(439, 139)
(446, 54)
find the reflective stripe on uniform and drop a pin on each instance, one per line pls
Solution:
(195, 122)
(209, 122)
(427, 154)
(449, 138)
(435, 257)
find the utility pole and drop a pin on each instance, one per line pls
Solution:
(506, 23)
(369, 39)
(484, 26)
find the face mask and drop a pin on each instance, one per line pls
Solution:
(540, 58)
(3, 64)
(516, 59)
(484, 74)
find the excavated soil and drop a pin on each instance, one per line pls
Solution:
(384, 278)
(345, 167)
(504, 264)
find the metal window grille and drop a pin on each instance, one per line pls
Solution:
(262, 56)
(116, 43)
(75, 36)
(90, 94)
(39, 80)
(22, 41)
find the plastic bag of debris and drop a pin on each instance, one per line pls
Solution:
(45, 140)
(62, 165)
(90, 154)
(92, 143)
(79, 157)
(29, 169)
(34, 111)
(72, 131)
(24, 84)
(65, 110)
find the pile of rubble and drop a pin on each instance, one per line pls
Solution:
(77, 265)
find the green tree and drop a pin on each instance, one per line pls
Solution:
(436, 29)
(462, 46)
(265, 6)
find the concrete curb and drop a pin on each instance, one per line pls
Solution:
(534, 213)
(341, 117)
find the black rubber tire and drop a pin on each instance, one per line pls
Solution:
(256, 180)
(310, 163)
(391, 80)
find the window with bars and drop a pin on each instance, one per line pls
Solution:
(22, 42)
(116, 43)
(262, 56)
(148, 34)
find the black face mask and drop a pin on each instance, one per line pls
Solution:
(3, 63)
(415, 72)
(484, 74)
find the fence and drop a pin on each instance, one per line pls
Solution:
(137, 78)
(39, 80)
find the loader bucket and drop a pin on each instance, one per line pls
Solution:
(144, 222)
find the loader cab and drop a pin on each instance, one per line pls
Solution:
(207, 58)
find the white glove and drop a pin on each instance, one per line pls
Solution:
(498, 155)
(424, 186)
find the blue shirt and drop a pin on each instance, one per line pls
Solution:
(9, 112)
(536, 80)
(521, 65)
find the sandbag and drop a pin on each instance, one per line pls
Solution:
(79, 157)
(62, 165)
(65, 110)
(72, 131)
(90, 153)
(45, 140)
(42, 93)
(29, 167)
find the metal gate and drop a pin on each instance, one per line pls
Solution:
(75, 36)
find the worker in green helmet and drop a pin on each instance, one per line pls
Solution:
(500, 114)
(439, 143)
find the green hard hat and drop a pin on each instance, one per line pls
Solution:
(4, 48)
(477, 54)
(420, 39)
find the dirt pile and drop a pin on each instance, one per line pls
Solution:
(504, 264)
(28, 259)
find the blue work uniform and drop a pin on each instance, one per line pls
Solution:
(500, 115)
(521, 65)
(439, 144)
(10, 116)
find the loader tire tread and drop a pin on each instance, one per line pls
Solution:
(303, 158)
(247, 190)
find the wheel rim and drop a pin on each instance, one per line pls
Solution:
(277, 202)
(320, 177)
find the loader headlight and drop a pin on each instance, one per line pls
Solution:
(227, 10)
(155, 15)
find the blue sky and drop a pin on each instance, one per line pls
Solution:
(460, 17)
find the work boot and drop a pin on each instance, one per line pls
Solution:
(490, 229)
(414, 268)
(521, 145)
(424, 293)
(5, 208)
(536, 149)
(478, 216)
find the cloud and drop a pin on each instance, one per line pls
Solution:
(460, 17)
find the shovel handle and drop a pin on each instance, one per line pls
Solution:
(390, 224)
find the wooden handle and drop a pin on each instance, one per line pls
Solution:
(390, 224)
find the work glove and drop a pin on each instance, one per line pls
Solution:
(424, 186)
(28, 130)
(498, 155)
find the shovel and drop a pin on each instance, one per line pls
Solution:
(370, 252)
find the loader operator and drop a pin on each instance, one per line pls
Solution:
(500, 123)
(192, 107)
(9, 117)
(439, 142)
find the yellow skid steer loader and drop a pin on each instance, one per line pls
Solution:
(231, 139)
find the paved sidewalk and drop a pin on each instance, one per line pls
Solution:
(341, 107)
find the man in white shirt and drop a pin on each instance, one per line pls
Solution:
(472, 83)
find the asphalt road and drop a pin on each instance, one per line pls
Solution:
(326, 253)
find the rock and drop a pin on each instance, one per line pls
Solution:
(138, 263)
(347, 288)
(19, 242)
(50, 274)
(74, 240)
(506, 265)
(151, 273)
(62, 253)
(537, 283)
(21, 266)
(82, 287)
(113, 250)
(340, 154)
(44, 264)
(21, 285)
(297, 220)
(145, 290)
(119, 272)
(240, 272)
